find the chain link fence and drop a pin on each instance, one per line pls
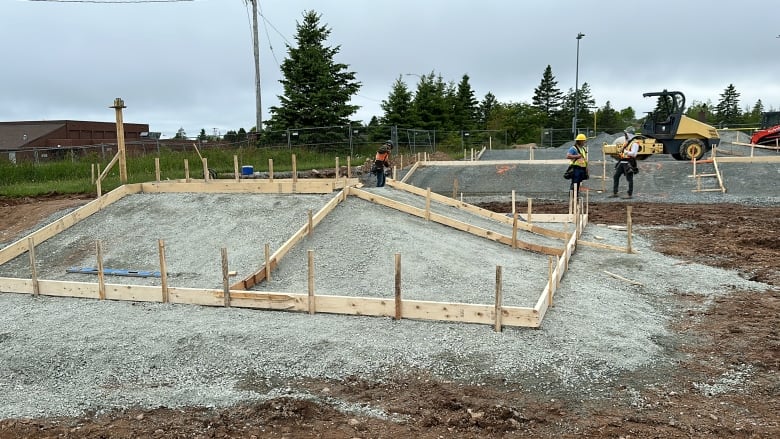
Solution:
(333, 140)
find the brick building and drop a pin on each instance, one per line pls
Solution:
(19, 136)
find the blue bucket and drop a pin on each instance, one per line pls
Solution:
(247, 170)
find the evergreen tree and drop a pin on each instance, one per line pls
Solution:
(608, 119)
(547, 96)
(202, 135)
(241, 137)
(754, 117)
(317, 90)
(486, 107)
(398, 106)
(727, 110)
(430, 103)
(465, 111)
(585, 104)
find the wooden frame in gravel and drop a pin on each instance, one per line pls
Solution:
(495, 314)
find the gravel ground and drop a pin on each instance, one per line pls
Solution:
(64, 356)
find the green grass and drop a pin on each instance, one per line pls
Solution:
(74, 175)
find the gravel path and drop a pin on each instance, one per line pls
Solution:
(61, 356)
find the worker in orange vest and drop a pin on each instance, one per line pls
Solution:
(382, 161)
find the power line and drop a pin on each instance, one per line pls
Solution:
(111, 1)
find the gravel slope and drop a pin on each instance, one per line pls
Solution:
(61, 356)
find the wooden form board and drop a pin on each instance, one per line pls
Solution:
(487, 213)
(755, 159)
(254, 186)
(359, 306)
(495, 162)
(274, 259)
(455, 224)
(20, 246)
(424, 310)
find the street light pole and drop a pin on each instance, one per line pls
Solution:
(576, 85)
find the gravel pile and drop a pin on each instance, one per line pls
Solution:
(62, 356)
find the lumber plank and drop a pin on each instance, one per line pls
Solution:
(20, 246)
(450, 222)
(255, 277)
(498, 162)
(754, 159)
(307, 186)
(477, 210)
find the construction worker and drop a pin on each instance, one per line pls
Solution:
(626, 165)
(578, 154)
(382, 161)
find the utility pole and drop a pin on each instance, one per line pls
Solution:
(576, 86)
(258, 105)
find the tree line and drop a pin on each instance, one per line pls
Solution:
(317, 92)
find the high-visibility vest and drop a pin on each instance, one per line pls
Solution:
(583, 161)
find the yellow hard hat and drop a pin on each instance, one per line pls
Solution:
(580, 137)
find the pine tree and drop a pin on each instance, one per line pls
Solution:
(486, 107)
(727, 110)
(398, 106)
(464, 115)
(317, 90)
(547, 96)
(755, 113)
(608, 119)
(430, 103)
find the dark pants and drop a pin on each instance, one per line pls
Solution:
(580, 175)
(380, 177)
(623, 169)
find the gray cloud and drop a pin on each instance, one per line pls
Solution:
(189, 64)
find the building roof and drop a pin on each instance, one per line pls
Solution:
(12, 134)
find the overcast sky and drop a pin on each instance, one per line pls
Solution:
(189, 64)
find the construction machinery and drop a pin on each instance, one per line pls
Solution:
(667, 130)
(769, 134)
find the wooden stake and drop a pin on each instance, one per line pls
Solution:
(349, 166)
(98, 183)
(163, 270)
(514, 209)
(101, 276)
(530, 204)
(225, 278)
(499, 299)
(428, 204)
(312, 302)
(267, 262)
(628, 226)
(187, 170)
(603, 171)
(514, 230)
(294, 169)
(92, 178)
(33, 269)
(398, 287)
(119, 104)
(157, 169)
(311, 223)
(455, 188)
(271, 170)
(205, 162)
(337, 168)
(550, 282)
(235, 168)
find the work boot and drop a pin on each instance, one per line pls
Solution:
(613, 196)
(627, 196)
